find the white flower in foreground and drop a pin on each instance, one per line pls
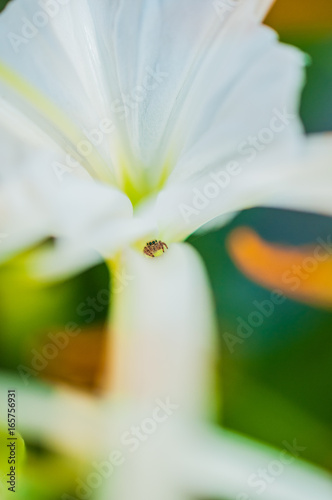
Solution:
(162, 116)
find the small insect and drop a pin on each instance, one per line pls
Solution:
(153, 247)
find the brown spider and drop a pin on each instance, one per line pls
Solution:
(153, 247)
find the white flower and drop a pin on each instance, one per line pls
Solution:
(151, 119)
(189, 109)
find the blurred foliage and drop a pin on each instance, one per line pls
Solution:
(316, 107)
(20, 455)
(33, 313)
(46, 476)
(305, 19)
(3, 4)
(277, 382)
(20, 450)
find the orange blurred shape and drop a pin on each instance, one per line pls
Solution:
(81, 363)
(300, 273)
(303, 16)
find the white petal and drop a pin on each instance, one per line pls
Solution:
(134, 64)
(185, 207)
(53, 73)
(23, 220)
(216, 223)
(36, 203)
(258, 80)
(308, 185)
(221, 464)
(42, 419)
(162, 347)
(92, 245)
(173, 39)
(301, 182)
(15, 128)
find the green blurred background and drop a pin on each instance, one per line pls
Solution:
(277, 385)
